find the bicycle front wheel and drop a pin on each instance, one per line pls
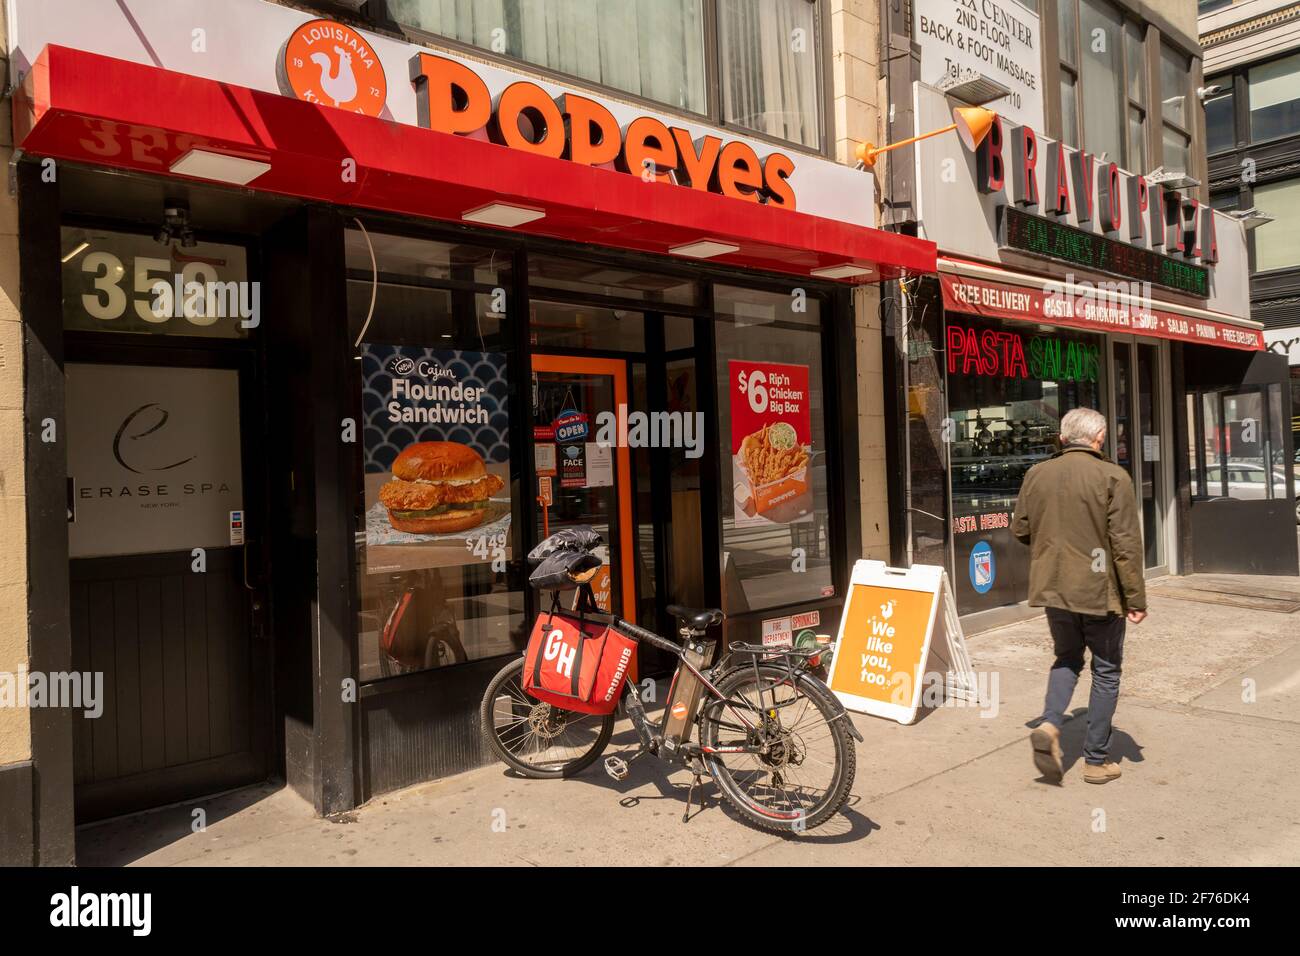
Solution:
(534, 738)
(805, 772)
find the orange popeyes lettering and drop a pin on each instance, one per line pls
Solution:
(647, 139)
(450, 97)
(776, 180)
(739, 174)
(594, 136)
(529, 102)
(698, 157)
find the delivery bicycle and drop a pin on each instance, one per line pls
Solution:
(758, 721)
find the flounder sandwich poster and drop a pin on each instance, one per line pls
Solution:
(437, 457)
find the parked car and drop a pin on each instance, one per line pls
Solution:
(1250, 480)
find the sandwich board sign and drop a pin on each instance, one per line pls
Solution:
(887, 643)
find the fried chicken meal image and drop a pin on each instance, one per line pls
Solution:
(772, 453)
(438, 487)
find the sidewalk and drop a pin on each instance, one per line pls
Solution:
(1208, 778)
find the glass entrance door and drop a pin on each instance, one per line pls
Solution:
(1137, 439)
(1152, 491)
(581, 480)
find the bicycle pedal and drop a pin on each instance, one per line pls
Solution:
(616, 767)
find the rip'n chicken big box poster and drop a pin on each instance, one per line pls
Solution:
(771, 442)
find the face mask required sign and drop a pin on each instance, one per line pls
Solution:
(436, 437)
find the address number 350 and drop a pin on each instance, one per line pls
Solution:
(109, 300)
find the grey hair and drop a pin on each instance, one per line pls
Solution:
(1082, 426)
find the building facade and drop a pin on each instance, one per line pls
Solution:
(261, 250)
(1080, 263)
(1252, 66)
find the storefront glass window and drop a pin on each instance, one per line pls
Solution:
(1220, 122)
(1069, 110)
(1275, 98)
(597, 278)
(928, 429)
(771, 411)
(1008, 386)
(559, 325)
(769, 63)
(654, 50)
(1174, 81)
(1103, 79)
(439, 579)
(1175, 89)
(1277, 243)
(1135, 67)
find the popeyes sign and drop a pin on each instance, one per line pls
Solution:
(278, 48)
(453, 98)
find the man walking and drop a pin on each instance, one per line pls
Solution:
(1078, 513)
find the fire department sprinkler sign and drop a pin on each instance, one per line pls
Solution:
(884, 639)
(998, 38)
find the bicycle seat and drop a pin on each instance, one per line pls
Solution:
(698, 618)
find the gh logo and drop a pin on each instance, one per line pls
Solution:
(556, 648)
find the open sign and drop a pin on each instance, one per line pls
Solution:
(571, 425)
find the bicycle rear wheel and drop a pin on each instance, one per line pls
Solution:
(534, 738)
(807, 771)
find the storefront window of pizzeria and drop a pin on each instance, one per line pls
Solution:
(1008, 386)
(775, 509)
(438, 576)
(1236, 449)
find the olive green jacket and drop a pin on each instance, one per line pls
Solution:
(1077, 511)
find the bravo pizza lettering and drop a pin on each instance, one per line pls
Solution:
(1097, 192)
(452, 98)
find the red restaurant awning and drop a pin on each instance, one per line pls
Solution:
(86, 107)
(1089, 309)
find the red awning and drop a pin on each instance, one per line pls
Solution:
(1091, 310)
(82, 106)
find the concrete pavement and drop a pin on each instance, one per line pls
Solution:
(1207, 733)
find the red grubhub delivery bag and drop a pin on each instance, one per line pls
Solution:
(576, 664)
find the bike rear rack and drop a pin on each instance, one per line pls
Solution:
(761, 653)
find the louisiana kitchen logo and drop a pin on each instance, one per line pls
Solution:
(327, 62)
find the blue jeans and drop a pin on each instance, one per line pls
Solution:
(1103, 636)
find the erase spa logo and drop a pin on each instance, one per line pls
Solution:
(327, 62)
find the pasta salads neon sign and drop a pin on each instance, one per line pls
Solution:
(997, 353)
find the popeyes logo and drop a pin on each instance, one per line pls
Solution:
(452, 98)
(327, 62)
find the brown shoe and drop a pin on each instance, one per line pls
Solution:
(1102, 772)
(1046, 741)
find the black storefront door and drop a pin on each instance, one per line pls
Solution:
(165, 577)
(1243, 506)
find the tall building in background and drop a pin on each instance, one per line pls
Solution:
(1080, 264)
(1252, 136)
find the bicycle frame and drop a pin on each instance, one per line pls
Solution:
(689, 684)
